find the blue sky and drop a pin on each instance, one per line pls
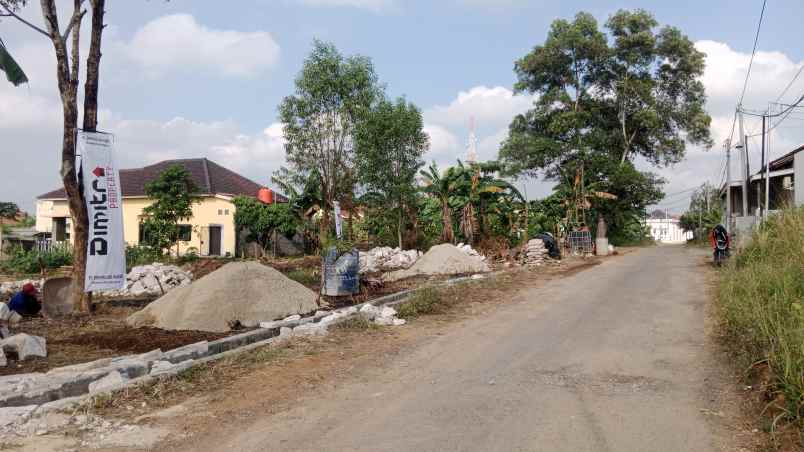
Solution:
(192, 78)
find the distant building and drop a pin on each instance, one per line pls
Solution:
(210, 231)
(667, 228)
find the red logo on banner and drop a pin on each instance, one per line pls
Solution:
(98, 172)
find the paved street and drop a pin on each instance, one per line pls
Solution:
(608, 359)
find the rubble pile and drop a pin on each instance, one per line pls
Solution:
(535, 253)
(385, 258)
(24, 346)
(444, 260)
(152, 280)
(466, 248)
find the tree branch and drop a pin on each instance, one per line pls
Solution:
(78, 15)
(10, 13)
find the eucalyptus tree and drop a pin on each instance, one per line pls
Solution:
(66, 43)
(390, 146)
(334, 95)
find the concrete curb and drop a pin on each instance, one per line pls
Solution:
(216, 350)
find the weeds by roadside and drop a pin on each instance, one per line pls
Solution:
(305, 276)
(761, 301)
(357, 323)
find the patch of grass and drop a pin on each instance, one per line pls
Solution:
(356, 323)
(761, 301)
(305, 276)
(425, 301)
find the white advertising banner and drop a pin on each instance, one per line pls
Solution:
(106, 249)
(337, 218)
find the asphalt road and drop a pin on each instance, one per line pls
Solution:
(609, 359)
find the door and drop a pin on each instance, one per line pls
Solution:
(215, 240)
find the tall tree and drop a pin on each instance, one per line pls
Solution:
(705, 211)
(638, 95)
(9, 210)
(66, 44)
(334, 95)
(173, 194)
(390, 146)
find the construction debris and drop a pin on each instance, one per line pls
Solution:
(466, 248)
(239, 293)
(384, 259)
(24, 346)
(444, 259)
(152, 280)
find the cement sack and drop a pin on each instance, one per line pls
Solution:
(244, 292)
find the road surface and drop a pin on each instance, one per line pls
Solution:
(609, 359)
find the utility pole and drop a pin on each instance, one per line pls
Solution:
(764, 210)
(728, 185)
(744, 162)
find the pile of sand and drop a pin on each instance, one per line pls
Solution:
(444, 259)
(244, 292)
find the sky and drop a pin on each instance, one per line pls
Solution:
(182, 79)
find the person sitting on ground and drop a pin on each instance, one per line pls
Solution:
(25, 302)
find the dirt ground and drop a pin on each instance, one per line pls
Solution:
(269, 380)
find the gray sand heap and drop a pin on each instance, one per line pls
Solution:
(444, 259)
(245, 292)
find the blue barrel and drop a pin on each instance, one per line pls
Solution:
(341, 275)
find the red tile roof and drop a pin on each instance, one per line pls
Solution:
(209, 177)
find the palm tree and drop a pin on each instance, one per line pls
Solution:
(441, 188)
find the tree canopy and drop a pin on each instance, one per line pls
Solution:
(634, 92)
(390, 146)
(173, 194)
(334, 95)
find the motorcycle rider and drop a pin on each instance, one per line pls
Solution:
(721, 243)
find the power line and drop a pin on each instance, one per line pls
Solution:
(754, 51)
(795, 77)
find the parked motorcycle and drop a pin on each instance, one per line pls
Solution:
(721, 242)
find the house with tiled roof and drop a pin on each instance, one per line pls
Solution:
(210, 231)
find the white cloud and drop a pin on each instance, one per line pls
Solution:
(491, 107)
(443, 144)
(178, 43)
(372, 5)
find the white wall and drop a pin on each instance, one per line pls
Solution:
(667, 231)
(798, 178)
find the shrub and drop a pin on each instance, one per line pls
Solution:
(761, 299)
(141, 255)
(20, 260)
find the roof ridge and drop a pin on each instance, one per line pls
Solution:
(207, 180)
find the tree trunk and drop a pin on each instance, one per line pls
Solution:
(93, 67)
(399, 227)
(446, 217)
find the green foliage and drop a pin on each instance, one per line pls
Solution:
(761, 299)
(635, 93)
(390, 145)
(8, 210)
(141, 255)
(334, 95)
(261, 220)
(18, 260)
(173, 195)
(306, 276)
(704, 213)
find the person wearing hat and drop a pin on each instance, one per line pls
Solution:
(25, 302)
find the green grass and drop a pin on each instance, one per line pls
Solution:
(356, 323)
(761, 301)
(426, 301)
(305, 276)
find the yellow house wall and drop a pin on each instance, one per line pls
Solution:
(205, 213)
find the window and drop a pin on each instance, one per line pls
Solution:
(185, 232)
(220, 211)
(226, 212)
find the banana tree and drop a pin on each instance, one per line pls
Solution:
(441, 187)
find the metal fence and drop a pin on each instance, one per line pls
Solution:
(580, 242)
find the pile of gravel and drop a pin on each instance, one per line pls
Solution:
(444, 259)
(239, 292)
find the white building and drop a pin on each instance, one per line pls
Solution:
(667, 230)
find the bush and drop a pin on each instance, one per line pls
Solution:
(141, 255)
(20, 260)
(761, 299)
